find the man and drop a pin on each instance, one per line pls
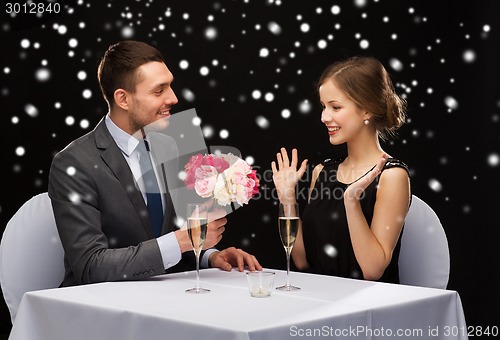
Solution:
(100, 206)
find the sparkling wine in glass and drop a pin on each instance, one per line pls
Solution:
(288, 223)
(197, 220)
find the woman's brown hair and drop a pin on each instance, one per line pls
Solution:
(366, 82)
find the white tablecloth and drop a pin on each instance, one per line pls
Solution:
(325, 307)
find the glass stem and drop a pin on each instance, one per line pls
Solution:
(288, 267)
(197, 253)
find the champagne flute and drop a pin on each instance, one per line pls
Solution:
(197, 220)
(288, 222)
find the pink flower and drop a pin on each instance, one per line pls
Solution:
(219, 163)
(190, 168)
(195, 162)
(225, 177)
(206, 176)
(256, 182)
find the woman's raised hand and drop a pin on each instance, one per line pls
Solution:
(356, 189)
(286, 175)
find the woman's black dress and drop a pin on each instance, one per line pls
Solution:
(324, 225)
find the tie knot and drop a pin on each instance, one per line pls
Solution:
(143, 146)
(143, 151)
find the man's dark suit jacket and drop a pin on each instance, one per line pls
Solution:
(101, 215)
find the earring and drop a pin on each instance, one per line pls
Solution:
(366, 121)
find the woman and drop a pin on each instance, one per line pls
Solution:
(352, 224)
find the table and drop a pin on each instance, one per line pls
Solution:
(325, 307)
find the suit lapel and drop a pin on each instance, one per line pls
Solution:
(113, 157)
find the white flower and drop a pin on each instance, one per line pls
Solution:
(221, 191)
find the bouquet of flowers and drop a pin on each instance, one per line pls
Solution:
(225, 177)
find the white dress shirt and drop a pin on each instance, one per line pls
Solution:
(168, 244)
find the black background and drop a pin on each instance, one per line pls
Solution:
(452, 150)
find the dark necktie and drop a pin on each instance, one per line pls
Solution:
(153, 194)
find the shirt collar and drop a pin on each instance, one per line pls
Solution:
(125, 142)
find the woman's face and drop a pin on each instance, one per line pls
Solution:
(344, 120)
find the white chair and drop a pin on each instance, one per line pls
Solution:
(31, 253)
(424, 259)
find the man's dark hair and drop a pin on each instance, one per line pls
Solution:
(118, 66)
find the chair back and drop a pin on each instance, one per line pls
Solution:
(424, 258)
(31, 253)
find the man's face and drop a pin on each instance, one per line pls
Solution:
(153, 97)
